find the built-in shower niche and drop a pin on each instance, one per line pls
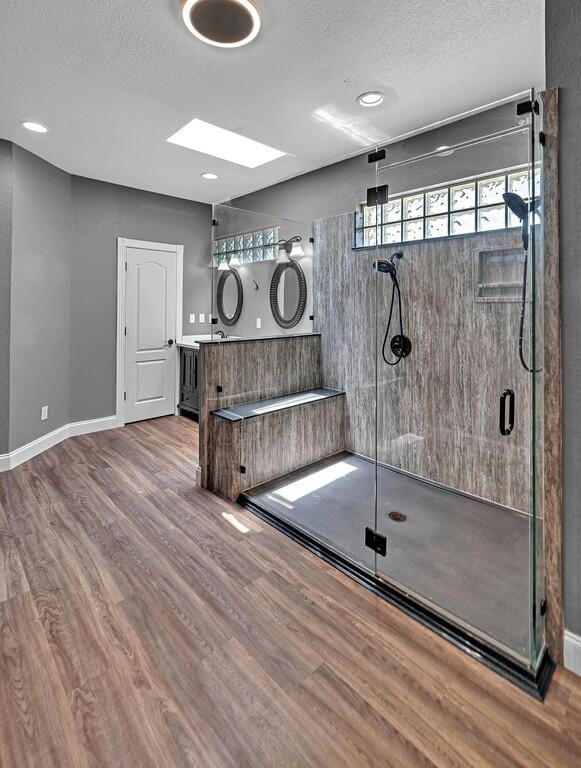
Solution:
(499, 274)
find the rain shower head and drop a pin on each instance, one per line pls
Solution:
(517, 205)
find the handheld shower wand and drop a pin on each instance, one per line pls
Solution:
(522, 210)
(400, 344)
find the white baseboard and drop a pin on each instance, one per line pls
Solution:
(30, 450)
(573, 652)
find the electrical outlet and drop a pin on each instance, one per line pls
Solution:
(192, 318)
(44, 413)
(259, 322)
(202, 317)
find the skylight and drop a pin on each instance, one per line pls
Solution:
(227, 145)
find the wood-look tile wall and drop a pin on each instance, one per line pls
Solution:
(438, 410)
(280, 442)
(550, 538)
(253, 370)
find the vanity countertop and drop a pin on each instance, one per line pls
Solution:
(193, 342)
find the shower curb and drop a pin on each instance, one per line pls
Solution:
(535, 684)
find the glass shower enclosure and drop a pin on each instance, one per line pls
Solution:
(429, 304)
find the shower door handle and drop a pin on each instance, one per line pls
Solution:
(506, 429)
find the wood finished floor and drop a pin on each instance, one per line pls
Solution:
(139, 627)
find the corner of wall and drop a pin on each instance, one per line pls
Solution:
(5, 288)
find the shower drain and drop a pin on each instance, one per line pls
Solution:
(398, 517)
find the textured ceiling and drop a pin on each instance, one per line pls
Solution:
(113, 79)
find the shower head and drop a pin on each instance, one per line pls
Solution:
(385, 266)
(388, 267)
(517, 205)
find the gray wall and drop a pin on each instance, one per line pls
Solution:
(101, 213)
(257, 301)
(40, 297)
(563, 57)
(5, 267)
(58, 283)
(233, 221)
(341, 187)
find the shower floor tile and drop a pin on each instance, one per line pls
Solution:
(466, 556)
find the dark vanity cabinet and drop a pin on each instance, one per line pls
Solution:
(189, 382)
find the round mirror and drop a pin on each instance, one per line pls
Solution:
(288, 294)
(230, 296)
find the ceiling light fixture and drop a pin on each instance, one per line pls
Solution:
(209, 176)
(223, 23)
(34, 127)
(370, 99)
(227, 145)
(444, 151)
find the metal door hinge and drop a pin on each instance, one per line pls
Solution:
(242, 469)
(377, 195)
(542, 138)
(126, 266)
(125, 330)
(543, 607)
(375, 157)
(125, 395)
(375, 541)
(526, 107)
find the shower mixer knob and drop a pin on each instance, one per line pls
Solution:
(401, 346)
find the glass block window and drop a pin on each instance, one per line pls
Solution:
(247, 247)
(458, 208)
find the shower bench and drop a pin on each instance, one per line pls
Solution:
(264, 439)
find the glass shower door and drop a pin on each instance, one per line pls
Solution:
(457, 378)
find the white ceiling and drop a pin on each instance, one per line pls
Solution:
(113, 79)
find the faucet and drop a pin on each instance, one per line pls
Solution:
(221, 334)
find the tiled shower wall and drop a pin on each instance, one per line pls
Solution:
(438, 410)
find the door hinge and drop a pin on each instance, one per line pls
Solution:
(375, 541)
(126, 330)
(375, 157)
(377, 195)
(126, 266)
(542, 138)
(242, 469)
(526, 107)
(543, 606)
(125, 395)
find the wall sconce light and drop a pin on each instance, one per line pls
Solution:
(289, 248)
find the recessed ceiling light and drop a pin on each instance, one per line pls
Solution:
(227, 145)
(370, 99)
(209, 176)
(34, 127)
(223, 23)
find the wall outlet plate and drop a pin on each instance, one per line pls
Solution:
(202, 317)
(44, 413)
(259, 322)
(192, 318)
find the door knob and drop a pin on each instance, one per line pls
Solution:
(170, 342)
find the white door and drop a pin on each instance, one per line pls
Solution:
(150, 321)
